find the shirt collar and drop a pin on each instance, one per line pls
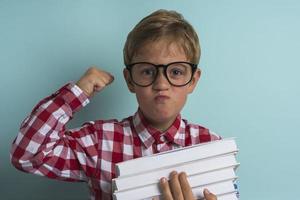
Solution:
(149, 135)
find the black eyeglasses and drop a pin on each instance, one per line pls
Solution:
(177, 73)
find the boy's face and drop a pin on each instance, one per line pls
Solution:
(161, 102)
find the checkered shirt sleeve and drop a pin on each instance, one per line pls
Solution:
(44, 147)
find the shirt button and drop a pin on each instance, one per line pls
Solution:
(162, 138)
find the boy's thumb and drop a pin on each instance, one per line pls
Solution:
(208, 195)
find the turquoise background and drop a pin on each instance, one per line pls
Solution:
(249, 87)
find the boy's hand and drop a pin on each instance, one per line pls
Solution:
(178, 188)
(94, 80)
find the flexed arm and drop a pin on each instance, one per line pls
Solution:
(45, 147)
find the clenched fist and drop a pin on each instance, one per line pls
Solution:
(94, 80)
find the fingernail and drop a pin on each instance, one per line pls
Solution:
(173, 173)
(206, 191)
(183, 174)
(163, 180)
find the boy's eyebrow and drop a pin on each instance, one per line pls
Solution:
(190, 63)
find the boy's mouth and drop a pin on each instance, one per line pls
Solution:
(161, 98)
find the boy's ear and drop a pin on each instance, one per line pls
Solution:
(194, 80)
(129, 83)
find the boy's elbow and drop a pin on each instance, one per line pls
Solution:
(16, 162)
(24, 165)
(19, 159)
(14, 159)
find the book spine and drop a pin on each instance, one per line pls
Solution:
(220, 187)
(168, 159)
(228, 196)
(191, 168)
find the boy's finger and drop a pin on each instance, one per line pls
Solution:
(101, 74)
(108, 78)
(208, 195)
(99, 85)
(102, 82)
(175, 186)
(185, 187)
(166, 192)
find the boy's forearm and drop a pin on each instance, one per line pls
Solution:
(45, 126)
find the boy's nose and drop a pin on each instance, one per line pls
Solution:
(161, 82)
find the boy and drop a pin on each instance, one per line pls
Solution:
(161, 56)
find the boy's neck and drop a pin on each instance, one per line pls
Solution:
(161, 126)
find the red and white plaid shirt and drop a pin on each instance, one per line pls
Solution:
(89, 153)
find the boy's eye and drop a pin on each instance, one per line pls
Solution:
(145, 70)
(148, 72)
(176, 72)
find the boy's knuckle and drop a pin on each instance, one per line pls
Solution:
(92, 69)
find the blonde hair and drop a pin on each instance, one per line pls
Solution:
(163, 24)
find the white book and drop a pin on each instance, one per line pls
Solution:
(198, 180)
(218, 188)
(176, 156)
(225, 196)
(191, 168)
(228, 196)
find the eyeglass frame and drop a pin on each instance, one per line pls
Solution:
(193, 66)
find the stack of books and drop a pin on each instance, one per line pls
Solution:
(208, 165)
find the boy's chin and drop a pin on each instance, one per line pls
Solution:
(164, 115)
(160, 113)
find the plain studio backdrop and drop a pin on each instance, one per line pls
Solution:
(249, 87)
